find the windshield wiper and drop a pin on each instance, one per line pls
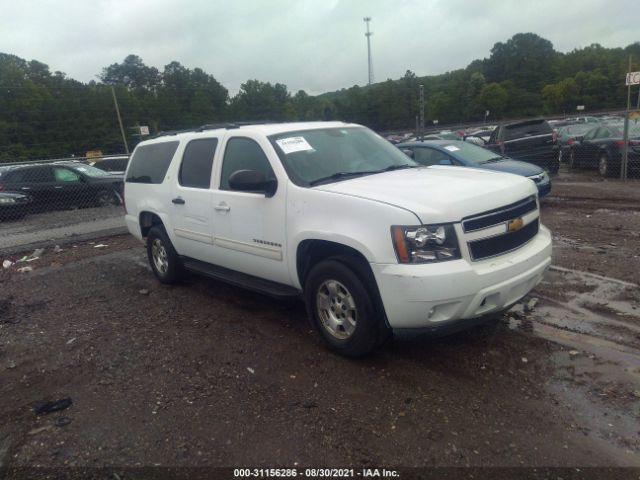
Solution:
(342, 175)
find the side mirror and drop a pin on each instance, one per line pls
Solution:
(408, 152)
(252, 181)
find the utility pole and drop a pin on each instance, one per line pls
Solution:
(124, 138)
(625, 136)
(421, 137)
(368, 35)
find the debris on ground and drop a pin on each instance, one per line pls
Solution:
(62, 421)
(100, 245)
(57, 249)
(45, 406)
(251, 370)
(7, 264)
(143, 291)
(25, 269)
(573, 353)
(530, 305)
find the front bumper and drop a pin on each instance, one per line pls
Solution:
(433, 295)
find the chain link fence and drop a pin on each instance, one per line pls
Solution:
(50, 199)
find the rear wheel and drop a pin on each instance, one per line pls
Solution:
(572, 159)
(163, 259)
(106, 198)
(604, 166)
(342, 309)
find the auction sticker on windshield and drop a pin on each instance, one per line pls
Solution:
(293, 144)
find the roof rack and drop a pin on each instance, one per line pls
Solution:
(209, 126)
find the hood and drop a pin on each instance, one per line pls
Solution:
(512, 166)
(438, 194)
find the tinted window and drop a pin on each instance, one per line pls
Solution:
(243, 154)
(526, 129)
(590, 134)
(150, 163)
(195, 170)
(430, 156)
(112, 164)
(65, 175)
(38, 175)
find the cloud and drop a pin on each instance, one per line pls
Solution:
(305, 44)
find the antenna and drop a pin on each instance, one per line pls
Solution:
(368, 35)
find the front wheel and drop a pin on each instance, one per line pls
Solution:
(341, 308)
(163, 258)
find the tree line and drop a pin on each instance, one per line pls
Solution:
(46, 114)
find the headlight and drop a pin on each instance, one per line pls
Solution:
(425, 243)
(6, 201)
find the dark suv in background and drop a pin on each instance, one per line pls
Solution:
(59, 185)
(532, 141)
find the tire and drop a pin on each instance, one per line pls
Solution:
(572, 159)
(343, 309)
(163, 258)
(605, 168)
(106, 198)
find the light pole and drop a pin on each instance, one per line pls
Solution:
(368, 35)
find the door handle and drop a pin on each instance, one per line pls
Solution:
(222, 207)
(178, 201)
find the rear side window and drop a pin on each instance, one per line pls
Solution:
(197, 161)
(527, 129)
(38, 175)
(150, 163)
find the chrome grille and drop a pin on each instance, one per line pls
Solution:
(506, 242)
(499, 215)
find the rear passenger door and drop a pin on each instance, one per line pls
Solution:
(250, 227)
(40, 184)
(191, 208)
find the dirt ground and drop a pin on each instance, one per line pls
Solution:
(205, 374)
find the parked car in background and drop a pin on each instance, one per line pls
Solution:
(567, 135)
(13, 205)
(116, 165)
(62, 184)
(532, 141)
(601, 148)
(479, 137)
(465, 154)
(586, 119)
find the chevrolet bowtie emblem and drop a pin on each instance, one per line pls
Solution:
(515, 224)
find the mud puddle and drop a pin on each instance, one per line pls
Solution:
(596, 321)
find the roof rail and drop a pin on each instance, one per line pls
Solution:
(211, 126)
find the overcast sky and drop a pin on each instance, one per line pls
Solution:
(313, 45)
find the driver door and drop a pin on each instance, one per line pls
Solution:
(249, 228)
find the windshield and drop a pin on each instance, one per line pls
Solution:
(90, 171)
(471, 153)
(334, 154)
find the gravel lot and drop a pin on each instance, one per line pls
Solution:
(204, 374)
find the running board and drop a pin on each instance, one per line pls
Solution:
(256, 284)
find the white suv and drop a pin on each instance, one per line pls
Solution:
(333, 212)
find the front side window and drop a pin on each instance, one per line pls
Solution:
(327, 155)
(197, 162)
(65, 175)
(150, 163)
(431, 156)
(244, 154)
